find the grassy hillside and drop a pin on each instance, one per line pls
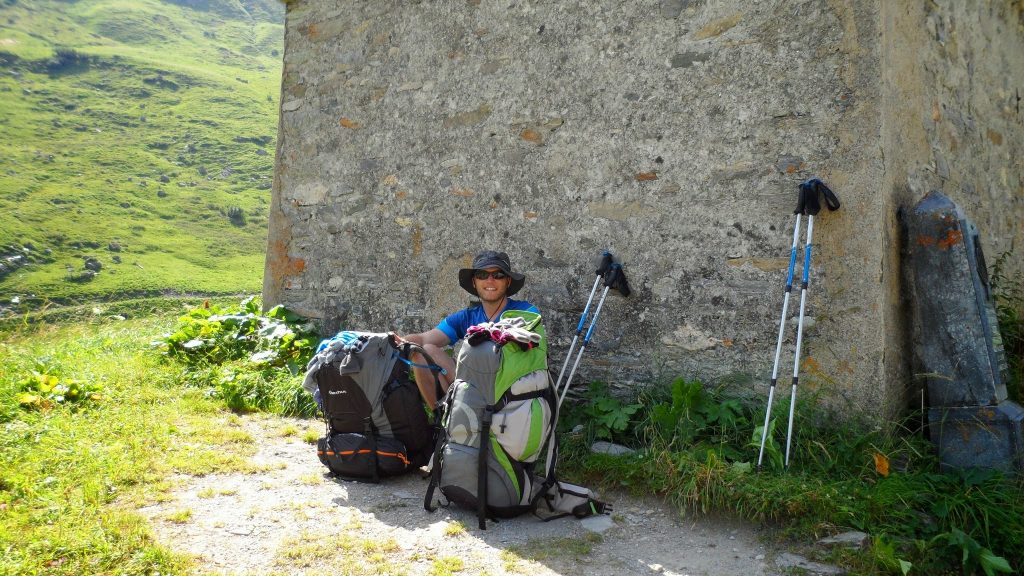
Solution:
(136, 146)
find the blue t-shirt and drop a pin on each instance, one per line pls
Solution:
(456, 324)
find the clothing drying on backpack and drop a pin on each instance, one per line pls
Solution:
(503, 332)
(456, 324)
(341, 344)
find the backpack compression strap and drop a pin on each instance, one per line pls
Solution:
(481, 466)
(438, 460)
(371, 434)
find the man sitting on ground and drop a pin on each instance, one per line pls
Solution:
(490, 279)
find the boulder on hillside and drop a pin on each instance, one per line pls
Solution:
(83, 276)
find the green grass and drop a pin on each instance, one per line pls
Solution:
(446, 566)
(72, 476)
(343, 553)
(698, 449)
(161, 92)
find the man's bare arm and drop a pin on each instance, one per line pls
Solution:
(433, 337)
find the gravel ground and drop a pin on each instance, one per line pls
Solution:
(295, 519)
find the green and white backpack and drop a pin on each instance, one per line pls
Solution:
(503, 394)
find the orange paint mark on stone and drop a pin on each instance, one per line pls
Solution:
(811, 365)
(463, 192)
(952, 238)
(646, 176)
(311, 31)
(294, 266)
(727, 342)
(925, 240)
(531, 136)
(401, 194)
(349, 123)
(280, 265)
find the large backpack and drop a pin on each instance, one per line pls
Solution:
(503, 395)
(377, 423)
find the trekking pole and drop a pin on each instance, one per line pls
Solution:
(602, 267)
(810, 205)
(782, 330)
(614, 279)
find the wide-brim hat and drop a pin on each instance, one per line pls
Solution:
(491, 259)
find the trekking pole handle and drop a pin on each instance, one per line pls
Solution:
(616, 280)
(604, 262)
(808, 201)
(831, 200)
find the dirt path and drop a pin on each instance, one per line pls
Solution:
(295, 519)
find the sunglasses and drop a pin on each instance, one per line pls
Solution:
(484, 275)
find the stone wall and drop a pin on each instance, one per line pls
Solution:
(673, 133)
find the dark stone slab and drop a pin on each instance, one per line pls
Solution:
(979, 436)
(957, 339)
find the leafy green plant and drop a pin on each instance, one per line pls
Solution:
(694, 413)
(973, 555)
(887, 554)
(250, 360)
(42, 390)
(213, 335)
(604, 416)
(772, 452)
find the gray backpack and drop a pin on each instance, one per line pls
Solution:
(496, 450)
(377, 424)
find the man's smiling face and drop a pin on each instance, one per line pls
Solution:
(491, 284)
